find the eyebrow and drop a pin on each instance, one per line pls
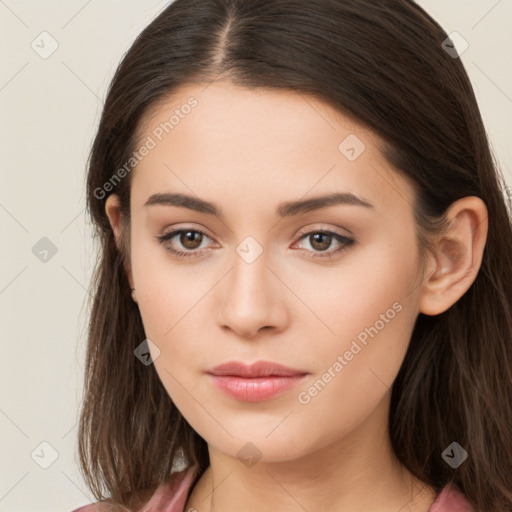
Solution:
(286, 209)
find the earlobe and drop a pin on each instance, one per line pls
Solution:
(458, 257)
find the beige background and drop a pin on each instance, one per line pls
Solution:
(49, 111)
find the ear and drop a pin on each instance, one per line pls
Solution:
(458, 256)
(112, 209)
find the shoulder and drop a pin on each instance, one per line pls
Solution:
(101, 506)
(450, 500)
(168, 497)
(172, 497)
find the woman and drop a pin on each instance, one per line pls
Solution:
(303, 295)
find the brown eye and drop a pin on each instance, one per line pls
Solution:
(184, 243)
(320, 241)
(325, 244)
(189, 240)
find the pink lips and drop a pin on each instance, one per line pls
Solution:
(256, 382)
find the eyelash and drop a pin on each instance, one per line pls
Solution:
(345, 241)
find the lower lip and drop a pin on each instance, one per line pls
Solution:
(255, 389)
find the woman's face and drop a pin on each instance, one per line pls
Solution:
(259, 280)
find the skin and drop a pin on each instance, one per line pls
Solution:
(248, 151)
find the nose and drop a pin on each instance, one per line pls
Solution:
(252, 299)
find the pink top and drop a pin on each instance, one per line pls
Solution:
(173, 498)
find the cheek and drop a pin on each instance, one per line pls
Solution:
(354, 373)
(368, 314)
(164, 288)
(342, 301)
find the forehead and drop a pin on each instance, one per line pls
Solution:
(277, 143)
(252, 116)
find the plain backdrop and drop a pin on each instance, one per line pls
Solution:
(50, 108)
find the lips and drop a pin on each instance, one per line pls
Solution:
(257, 369)
(255, 382)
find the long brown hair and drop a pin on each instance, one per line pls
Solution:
(383, 64)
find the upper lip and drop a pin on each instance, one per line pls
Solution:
(257, 369)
